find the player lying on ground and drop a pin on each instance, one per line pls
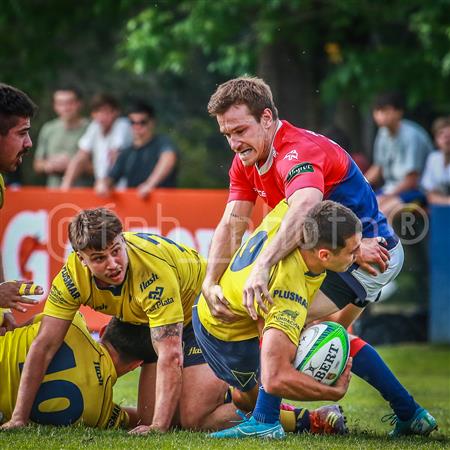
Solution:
(143, 279)
(78, 384)
(331, 240)
(276, 160)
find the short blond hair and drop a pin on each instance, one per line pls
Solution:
(250, 91)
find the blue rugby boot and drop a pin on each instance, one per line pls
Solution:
(422, 423)
(250, 427)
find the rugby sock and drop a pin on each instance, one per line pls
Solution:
(369, 366)
(267, 409)
(228, 398)
(295, 420)
(287, 420)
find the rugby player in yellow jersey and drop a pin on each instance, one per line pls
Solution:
(78, 384)
(139, 278)
(331, 237)
(16, 110)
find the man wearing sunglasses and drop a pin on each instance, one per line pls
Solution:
(150, 162)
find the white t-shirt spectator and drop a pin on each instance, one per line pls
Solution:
(100, 145)
(436, 176)
(401, 154)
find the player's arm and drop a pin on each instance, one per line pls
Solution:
(167, 341)
(75, 168)
(226, 240)
(133, 418)
(164, 166)
(280, 378)
(410, 181)
(50, 337)
(286, 240)
(374, 174)
(437, 198)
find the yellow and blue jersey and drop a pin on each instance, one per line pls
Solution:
(78, 384)
(291, 285)
(162, 281)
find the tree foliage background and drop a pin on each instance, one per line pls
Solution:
(325, 60)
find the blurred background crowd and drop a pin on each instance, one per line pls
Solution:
(123, 87)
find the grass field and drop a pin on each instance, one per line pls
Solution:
(425, 370)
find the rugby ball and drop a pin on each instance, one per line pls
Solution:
(323, 352)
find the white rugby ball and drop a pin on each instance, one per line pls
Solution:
(323, 352)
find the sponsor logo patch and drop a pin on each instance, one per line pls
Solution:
(194, 351)
(156, 294)
(260, 193)
(145, 284)
(298, 170)
(291, 155)
(161, 303)
(287, 319)
(288, 295)
(56, 296)
(98, 372)
(70, 285)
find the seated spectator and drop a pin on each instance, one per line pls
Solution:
(436, 177)
(400, 151)
(104, 138)
(58, 139)
(149, 162)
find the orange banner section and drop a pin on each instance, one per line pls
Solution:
(34, 222)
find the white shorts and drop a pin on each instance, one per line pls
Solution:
(359, 287)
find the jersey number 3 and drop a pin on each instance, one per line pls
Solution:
(58, 389)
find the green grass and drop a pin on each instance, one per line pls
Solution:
(425, 370)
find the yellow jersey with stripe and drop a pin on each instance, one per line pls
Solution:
(162, 281)
(291, 286)
(78, 384)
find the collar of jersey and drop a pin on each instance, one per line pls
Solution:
(268, 164)
(305, 269)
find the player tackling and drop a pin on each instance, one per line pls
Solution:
(331, 238)
(276, 160)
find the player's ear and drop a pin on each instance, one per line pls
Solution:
(80, 257)
(266, 118)
(323, 254)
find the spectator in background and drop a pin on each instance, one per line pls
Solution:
(436, 177)
(400, 151)
(58, 139)
(149, 162)
(104, 138)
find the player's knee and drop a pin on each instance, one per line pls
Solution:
(272, 383)
(191, 419)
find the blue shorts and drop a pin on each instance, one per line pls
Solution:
(192, 353)
(236, 363)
